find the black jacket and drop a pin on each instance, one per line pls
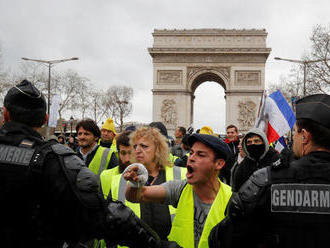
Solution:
(39, 207)
(249, 165)
(263, 215)
(46, 201)
(246, 168)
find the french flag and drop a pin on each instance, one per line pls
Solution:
(276, 117)
(280, 144)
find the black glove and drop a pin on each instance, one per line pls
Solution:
(125, 228)
(220, 235)
(169, 244)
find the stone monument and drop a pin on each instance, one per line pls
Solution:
(184, 59)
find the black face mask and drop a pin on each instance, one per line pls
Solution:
(256, 151)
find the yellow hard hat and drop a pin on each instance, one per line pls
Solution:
(109, 125)
(206, 130)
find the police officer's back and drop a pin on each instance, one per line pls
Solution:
(47, 196)
(286, 205)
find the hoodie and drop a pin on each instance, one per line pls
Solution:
(249, 165)
(263, 136)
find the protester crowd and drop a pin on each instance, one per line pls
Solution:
(136, 188)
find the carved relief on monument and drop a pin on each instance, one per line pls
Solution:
(169, 77)
(192, 71)
(212, 58)
(246, 114)
(247, 78)
(168, 112)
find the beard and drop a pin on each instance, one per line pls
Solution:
(122, 166)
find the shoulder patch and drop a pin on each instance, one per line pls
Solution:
(280, 163)
(277, 163)
(300, 198)
(26, 143)
(62, 150)
(15, 155)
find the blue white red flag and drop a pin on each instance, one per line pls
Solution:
(280, 145)
(276, 117)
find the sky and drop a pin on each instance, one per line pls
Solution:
(111, 39)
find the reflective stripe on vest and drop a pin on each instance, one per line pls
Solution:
(100, 160)
(106, 178)
(113, 146)
(184, 220)
(118, 188)
(172, 158)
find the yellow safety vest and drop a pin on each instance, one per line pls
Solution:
(118, 189)
(183, 225)
(172, 158)
(113, 146)
(106, 178)
(100, 160)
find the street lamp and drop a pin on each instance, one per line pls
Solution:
(303, 62)
(71, 123)
(50, 63)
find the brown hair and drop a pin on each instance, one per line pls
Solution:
(232, 126)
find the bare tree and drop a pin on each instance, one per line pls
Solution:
(96, 108)
(5, 83)
(67, 86)
(291, 85)
(4, 87)
(319, 73)
(80, 105)
(118, 103)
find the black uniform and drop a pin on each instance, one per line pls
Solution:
(246, 168)
(46, 201)
(280, 206)
(286, 204)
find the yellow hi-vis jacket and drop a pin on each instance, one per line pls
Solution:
(171, 158)
(106, 179)
(100, 160)
(113, 147)
(183, 225)
(117, 185)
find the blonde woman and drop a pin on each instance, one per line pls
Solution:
(150, 148)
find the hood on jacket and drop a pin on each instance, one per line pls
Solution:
(263, 136)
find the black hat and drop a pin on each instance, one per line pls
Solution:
(25, 101)
(217, 145)
(316, 108)
(26, 96)
(131, 128)
(160, 126)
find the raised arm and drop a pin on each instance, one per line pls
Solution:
(135, 192)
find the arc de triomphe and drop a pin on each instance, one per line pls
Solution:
(184, 59)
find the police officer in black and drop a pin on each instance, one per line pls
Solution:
(286, 205)
(48, 197)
